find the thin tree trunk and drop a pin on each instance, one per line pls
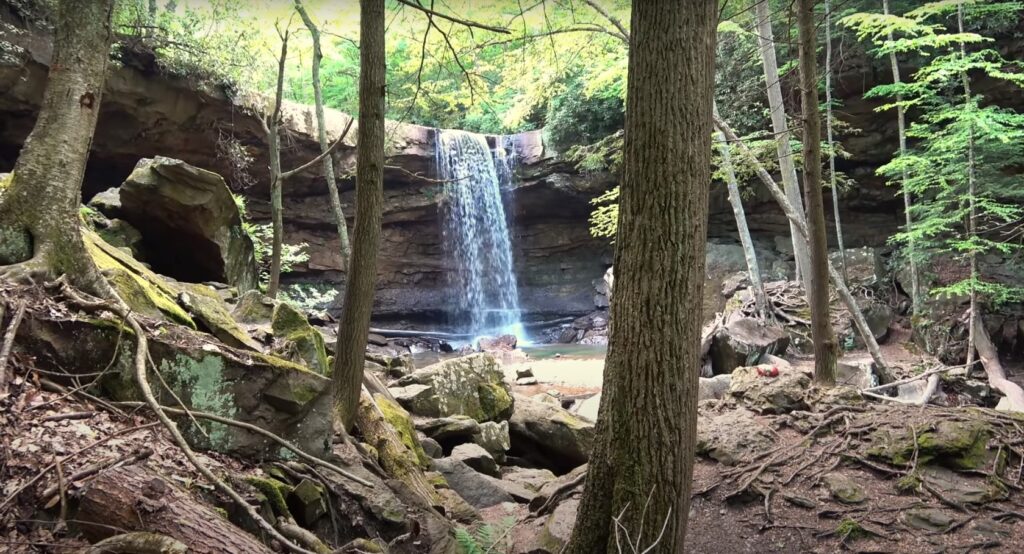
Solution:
(318, 102)
(825, 347)
(833, 180)
(362, 274)
(273, 129)
(781, 130)
(885, 375)
(915, 283)
(642, 463)
(753, 271)
(972, 223)
(39, 222)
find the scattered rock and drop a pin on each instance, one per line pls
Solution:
(756, 388)
(254, 308)
(743, 341)
(524, 373)
(731, 436)
(300, 342)
(857, 374)
(526, 381)
(553, 437)
(447, 430)
(588, 407)
(843, 488)
(494, 438)
(306, 502)
(959, 489)
(713, 388)
(533, 479)
(477, 458)
(951, 443)
(479, 490)
(928, 519)
(431, 447)
(472, 385)
(502, 343)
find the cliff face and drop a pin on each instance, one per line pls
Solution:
(146, 113)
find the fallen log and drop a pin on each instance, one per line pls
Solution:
(133, 498)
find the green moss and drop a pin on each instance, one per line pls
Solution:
(399, 419)
(909, 483)
(495, 402)
(144, 291)
(275, 491)
(287, 320)
(253, 307)
(956, 444)
(301, 342)
(849, 529)
(437, 480)
(221, 512)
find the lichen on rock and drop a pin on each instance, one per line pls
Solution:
(299, 341)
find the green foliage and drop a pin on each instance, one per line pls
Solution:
(950, 126)
(309, 296)
(576, 117)
(485, 538)
(262, 235)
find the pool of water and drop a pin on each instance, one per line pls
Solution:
(571, 351)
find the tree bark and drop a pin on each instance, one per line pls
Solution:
(780, 128)
(989, 356)
(753, 271)
(972, 216)
(318, 103)
(273, 129)
(132, 498)
(885, 375)
(362, 275)
(39, 221)
(901, 121)
(641, 467)
(833, 180)
(825, 346)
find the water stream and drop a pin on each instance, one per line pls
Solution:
(483, 280)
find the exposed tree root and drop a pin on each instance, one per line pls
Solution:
(5, 350)
(1013, 394)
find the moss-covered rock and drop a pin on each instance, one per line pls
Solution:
(253, 308)
(307, 502)
(844, 489)
(399, 419)
(274, 491)
(299, 341)
(473, 386)
(951, 443)
(208, 308)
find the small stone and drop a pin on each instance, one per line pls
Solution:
(928, 519)
(526, 381)
(524, 373)
(431, 447)
(477, 458)
(494, 438)
(306, 502)
(844, 489)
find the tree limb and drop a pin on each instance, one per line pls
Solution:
(453, 19)
(318, 159)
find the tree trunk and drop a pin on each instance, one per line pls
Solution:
(825, 347)
(753, 271)
(1014, 395)
(642, 463)
(39, 221)
(781, 130)
(972, 216)
(273, 129)
(833, 180)
(884, 374)
(901, 121)
(362, 274)
(132, 498)
(318, 102)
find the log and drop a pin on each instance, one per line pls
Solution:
(138, 543)
(133, 498)
(1013, 395)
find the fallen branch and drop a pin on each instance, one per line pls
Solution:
(1012, 393)
(69, 415)
(5, 350)
(89, 471)
(260, 431)
(138, 543)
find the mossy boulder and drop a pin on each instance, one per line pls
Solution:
(473, 386)
(843, 489)
(206, 375)
(207, 308)
(400, 421)
(253, 308)
(757, 388)
(550, 436)
(190, 222)
(956, 444)
(298, 340)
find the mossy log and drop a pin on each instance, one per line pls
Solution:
(132, 498)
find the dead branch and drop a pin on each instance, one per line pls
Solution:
(5, 351)
(324, 154)
(453, 19)
(93, 469)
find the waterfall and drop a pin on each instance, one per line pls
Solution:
(483, 280)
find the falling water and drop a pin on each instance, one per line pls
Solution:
(476, 233)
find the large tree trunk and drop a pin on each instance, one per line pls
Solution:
(318, 103)
(642, 462)
(753, 271)
(132, 498)
(798, 219)
(39, 222)
(781, 131)
(825, 347)
(273, 129)
(362, 274)
(833, 180)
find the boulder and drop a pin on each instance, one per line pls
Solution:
(713, 388)
(863, 265)
(501, 343)
(275, 394)
(859, 374)
(473, 386)
(253, 307)
(207, 308)
(731, 436)
(549, 435)
(431, 447)
(742, 341)
(494, 438)
(588, 407)
(298, 341)
(107, 202)
(757, 388)
(189, 222)
(477, 458)
(450, 430)
(479, 490)
(843, 489)
(533, 479)
(951, 443)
